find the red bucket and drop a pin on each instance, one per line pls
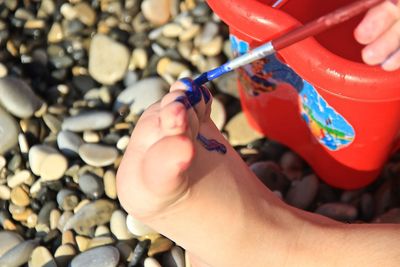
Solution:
(317, 97)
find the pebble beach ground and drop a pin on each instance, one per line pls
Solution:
(75, 77)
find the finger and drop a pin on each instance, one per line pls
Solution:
(376, 22)
(378, 51)
(393, 62)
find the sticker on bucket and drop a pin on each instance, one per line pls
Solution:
(263, 76)
(327, 125)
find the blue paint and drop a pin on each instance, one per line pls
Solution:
(206, 93)
(211, 144)
(193, 92)
(212, 74)
(183, 99)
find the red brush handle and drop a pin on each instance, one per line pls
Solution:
(323, 23)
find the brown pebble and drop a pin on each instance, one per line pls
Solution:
(68, 238)
(20, 197)
(82, 242)
(160, 245)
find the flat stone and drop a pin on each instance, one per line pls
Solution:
(68, 237)
(64, 219)
(118, 225)
(110, 185)
(174, 258)
(55, 34)
(47, 162)
(139, 58)
(64, 255)
(40, 257)
(102, 230)
(302, 192)
(138, 228)
(8, 240)
(91, 185)
(99, 241)
(240, 132)
(69, 143)
(18, 255)
(106, 256)
(98, 155)
(142, 94)
(93, 214)
(90, 120)
(338, 211)
(172, 30)
(156, 11)
(18, 98)
(9, 131)
(218, 114)
(212, 48)
(108, 59)
(55, 216)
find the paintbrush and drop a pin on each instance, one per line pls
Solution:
(302, 32)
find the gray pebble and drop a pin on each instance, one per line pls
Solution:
(8, 131)
(8, 240)
(19, 254)
(91, 185)
(91, 120)
(302, 192)
(105, 256)
(93, 214)
(98, 155)
(67, 199)
(338, 211)
(69, 142)
(18, 98)
(43, 223)
(391, 216)
(142, 94)
(270, 174)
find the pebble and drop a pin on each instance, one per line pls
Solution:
(5, 192)
(98, 155)
(95, 213)
(69, 143)
(8, 131)
(302, 192)
(19, 254)
(102, 230)
(151, 262)
(240, 132)
(172, 30)
(110, 185)
(271, 175)
(82, 242)
(91, 137)
(174, 258)
(47, 162)
(160, 245)
(107, 68)
(391, 216)
(189, 33)
(19, 197)
(55, 34)
(139, 252)
(139, 59)
(19, 178)
(292, 165)
(64, 254)
(227, 84)
(67, 199)
(125, 250)
(91, 185)
(106, 256)
(138, 228)
(18, 98)
(90, 120)
(212, 48)
(123, 142)
(8, 240)
(100, 241)
(23, 144)
(142, 94)
(338, 211)
(118, 225)
(43, 223)
(41, 257)
(156, 11)
(85, 13)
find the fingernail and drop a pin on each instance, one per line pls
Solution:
(206, 93)
(193, 92)
(184, 100)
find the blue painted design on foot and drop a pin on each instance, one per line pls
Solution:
(183, 99)
(211, 144)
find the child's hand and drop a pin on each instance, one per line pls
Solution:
(380, 31)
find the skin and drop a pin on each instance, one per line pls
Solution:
(213, 205)
(380, 32)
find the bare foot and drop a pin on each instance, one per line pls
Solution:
(181, 177)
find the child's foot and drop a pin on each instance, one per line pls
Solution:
(181, 177)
